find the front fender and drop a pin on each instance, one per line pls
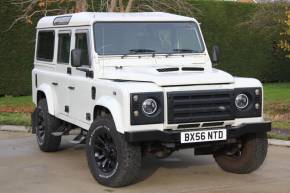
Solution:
(115, 109)
(46, 89)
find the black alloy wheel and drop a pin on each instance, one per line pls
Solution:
(40, 128)
(111, 159)
(46, 125)
(105, 151)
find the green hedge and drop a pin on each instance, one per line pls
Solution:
(16, 53)
(244, 53)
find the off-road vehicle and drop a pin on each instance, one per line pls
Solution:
(139, 83)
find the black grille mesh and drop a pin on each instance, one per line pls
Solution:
(199, 106)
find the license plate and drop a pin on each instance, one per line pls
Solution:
(203, 136)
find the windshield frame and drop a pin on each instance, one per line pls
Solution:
(203, 51)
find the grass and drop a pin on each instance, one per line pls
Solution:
(16, 110)
(15, 101)
(277, 92)
(273, 135)
(15, 119)
(277, 109)
(285, 125)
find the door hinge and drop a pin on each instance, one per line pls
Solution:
(68, 70)
(66, 109)
(93, 93)
(88, 116)
(36, 81)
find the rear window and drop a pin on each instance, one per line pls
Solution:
(45, 46)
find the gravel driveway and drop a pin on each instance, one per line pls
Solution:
(25, 169)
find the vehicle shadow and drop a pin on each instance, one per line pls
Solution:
(150, 164)
(178, 160)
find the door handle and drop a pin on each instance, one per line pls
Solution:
(71, 87)
(54, 83)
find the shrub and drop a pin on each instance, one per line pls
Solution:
(16, 53)
(244, 52)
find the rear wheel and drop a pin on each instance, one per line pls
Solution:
(112, 160)
(244, 157)
(46, 124)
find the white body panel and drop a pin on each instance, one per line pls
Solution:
(138, 74)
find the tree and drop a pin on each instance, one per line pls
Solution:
(271, 21)
(33, 8)
(265, 19)
(284, 42)
(174, 6)
(36, 8)
(114, 5)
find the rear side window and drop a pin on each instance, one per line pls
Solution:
(45, 46)
(63, 52)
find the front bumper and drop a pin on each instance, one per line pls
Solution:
(174, 136)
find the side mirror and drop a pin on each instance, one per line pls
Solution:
(215, 54)
(76, 55)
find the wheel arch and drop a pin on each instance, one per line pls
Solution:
(111, 106)
(45, 92)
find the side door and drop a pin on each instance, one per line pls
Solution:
(63, 72)
(81, 102)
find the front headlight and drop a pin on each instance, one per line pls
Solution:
(242, 101)
(248, 102)
(147, 108)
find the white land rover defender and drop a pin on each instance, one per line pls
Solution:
(139, 83)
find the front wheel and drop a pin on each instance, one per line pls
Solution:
(112, 160)
(244, 157)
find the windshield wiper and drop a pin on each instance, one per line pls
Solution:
(141, 50)
(138, 51)
(183, 50)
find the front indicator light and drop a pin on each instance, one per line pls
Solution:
(257, 92)
(135, 98)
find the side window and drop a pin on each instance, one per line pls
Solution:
(45, 46)
(63, 51)
(82, 43)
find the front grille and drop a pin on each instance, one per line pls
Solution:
(199, 106)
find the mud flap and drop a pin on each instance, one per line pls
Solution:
(34, 120)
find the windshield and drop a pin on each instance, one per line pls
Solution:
(124, 38)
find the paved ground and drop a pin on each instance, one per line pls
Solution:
(24, 169)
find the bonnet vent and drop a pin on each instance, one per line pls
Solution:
(177, 69)
(192, 69)
(167, 69)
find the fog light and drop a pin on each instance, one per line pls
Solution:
(242, 101)
(257, 106)
(136, 113)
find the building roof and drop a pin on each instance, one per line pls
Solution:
(87, 18)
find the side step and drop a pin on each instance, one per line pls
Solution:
(80, 138)
(62, 130)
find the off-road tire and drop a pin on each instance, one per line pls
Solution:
(128, 156)
(252, 155)
(49, 143)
